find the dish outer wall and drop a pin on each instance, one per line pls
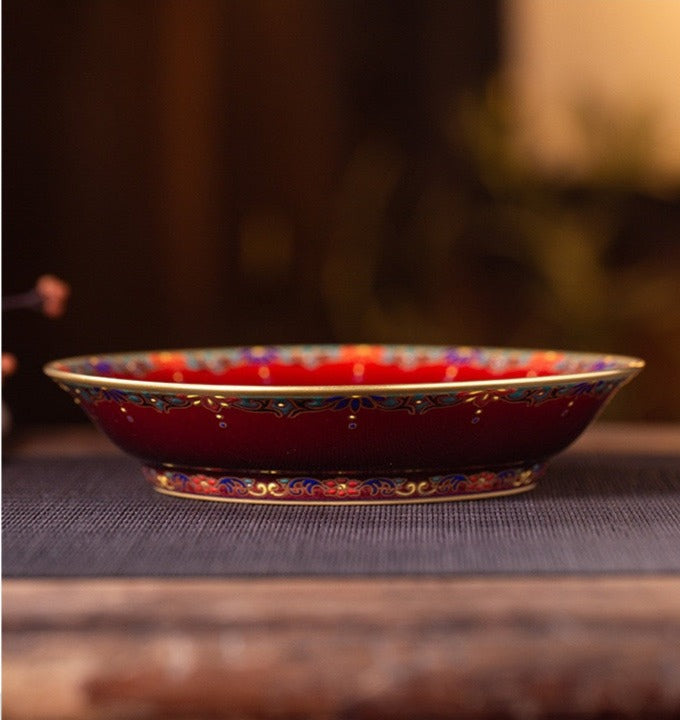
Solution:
(324, 447)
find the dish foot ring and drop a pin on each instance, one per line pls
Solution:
(343, 489)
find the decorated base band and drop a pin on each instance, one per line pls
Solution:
(344, 490)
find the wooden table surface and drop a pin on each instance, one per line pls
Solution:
(471, 647)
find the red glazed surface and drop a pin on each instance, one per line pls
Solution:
(329, 412)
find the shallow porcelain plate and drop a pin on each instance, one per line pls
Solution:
(343, 423)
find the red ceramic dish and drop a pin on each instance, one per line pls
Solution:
(340, 423)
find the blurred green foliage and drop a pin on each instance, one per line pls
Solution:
(478, 246)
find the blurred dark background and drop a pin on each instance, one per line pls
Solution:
(215, 173)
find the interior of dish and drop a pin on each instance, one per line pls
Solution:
(338, 365)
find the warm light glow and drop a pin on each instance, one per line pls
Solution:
(622, 57)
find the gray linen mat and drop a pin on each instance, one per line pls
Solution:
(66, 517)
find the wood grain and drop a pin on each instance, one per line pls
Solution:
(400, 648)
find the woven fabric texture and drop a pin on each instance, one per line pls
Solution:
(97, 517)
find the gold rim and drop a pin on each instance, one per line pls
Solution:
(628, 368)
(405, 501)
